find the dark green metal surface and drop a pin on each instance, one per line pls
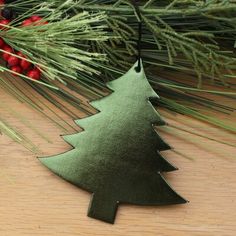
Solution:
(117, 156)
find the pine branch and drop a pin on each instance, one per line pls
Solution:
(53, 46)
(190, 36)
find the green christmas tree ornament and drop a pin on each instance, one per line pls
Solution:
(117, 156)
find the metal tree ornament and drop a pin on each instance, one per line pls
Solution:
(117, 156)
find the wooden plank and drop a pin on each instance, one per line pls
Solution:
(33, 201)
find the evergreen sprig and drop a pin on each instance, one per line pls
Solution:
(192, 36)
(187, 46)
(54, 46)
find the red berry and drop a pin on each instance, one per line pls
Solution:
(2, 43)
(6, 55)
(4, 22)
(2, 1)
(20, 54)
(16, 69)
(34, 74)
(25, 64)
(35, 18)
(27, 22)
(13, 61)
(7, 47)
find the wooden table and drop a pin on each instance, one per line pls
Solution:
(33, 201)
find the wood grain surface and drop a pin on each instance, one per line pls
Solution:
(33, 201)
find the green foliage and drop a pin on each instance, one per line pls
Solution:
(194, 37)
(190, 38)
(177, 31)
(54, 46)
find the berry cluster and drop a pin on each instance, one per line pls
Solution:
(15, 60)
(34, 20)
(16, 64)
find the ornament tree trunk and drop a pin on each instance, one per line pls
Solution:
(117, 156)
